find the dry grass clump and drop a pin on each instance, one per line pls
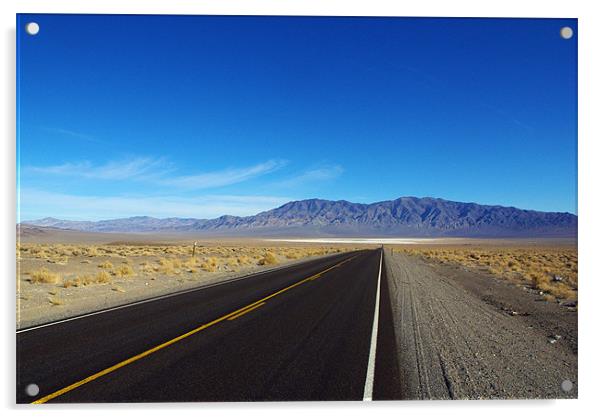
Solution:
(102, 277)
(551, 270)
(293, 253)
(244, 260)
(268, 259)
(55, 301)
(191, 262)
(190, 265)
(167, 266)
(43, 275)
(61, 259)
(147, 268)
(125, 271)
(106, 265)
(77, 282)
(210, 264)
(231, 263)
(36, 251)
(91, 252)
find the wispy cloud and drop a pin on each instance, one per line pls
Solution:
(223, 177)
(74, 134)
(159, 172)
(314, 175)
(36, 203)
(135, 169)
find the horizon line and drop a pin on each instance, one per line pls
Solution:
(295, 201)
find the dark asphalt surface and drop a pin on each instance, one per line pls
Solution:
(310, 342)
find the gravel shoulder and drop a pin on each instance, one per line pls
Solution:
(465, 335)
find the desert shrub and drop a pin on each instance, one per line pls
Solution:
(91, 252)
(61, 259)
(210, 264)
(148, 269)
(103, 277)
(208, 267)
(191, 262)
(267, 259)
(552, 270)
(106, 265)
(243, 259)
(292, 255)
(43, 275)
(191, 265)
(77, 282)
(53, 300)
(540, 281)
(165, 266)
(124, 271)
(39, 252)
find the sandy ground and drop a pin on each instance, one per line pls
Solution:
(466, 335)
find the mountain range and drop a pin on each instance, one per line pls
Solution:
(406, 216)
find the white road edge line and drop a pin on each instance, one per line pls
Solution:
(169, 295)
(369, 385)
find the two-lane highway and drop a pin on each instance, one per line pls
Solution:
(305, 332)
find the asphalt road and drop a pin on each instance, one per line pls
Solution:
(304, 332)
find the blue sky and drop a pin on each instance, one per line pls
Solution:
(204, 116)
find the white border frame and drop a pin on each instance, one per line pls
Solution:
(590, 33)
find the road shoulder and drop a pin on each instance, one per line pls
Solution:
(452, 344)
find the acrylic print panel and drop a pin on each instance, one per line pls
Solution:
(236, 208)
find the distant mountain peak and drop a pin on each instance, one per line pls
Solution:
(404, 216)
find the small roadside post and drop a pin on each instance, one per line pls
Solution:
(193, 249)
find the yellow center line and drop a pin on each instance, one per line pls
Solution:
(315, 276)
(148, 352)
(232, 318)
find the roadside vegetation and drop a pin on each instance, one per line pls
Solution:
(550, 270)
(121, 266)
(44, 276)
